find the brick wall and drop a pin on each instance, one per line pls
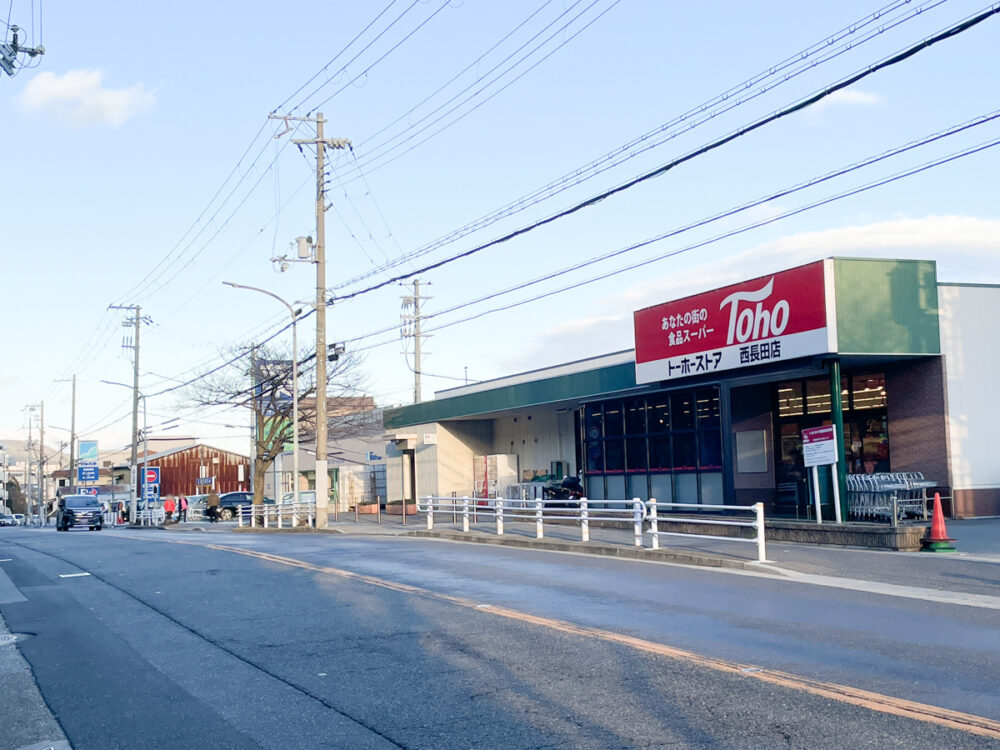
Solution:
(918, 428)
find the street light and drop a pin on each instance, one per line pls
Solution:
(134, 504)
(295, 383)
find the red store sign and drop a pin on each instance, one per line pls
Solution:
(771, 318)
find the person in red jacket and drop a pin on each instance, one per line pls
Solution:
(168, 507)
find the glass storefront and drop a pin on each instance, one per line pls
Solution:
(666, 445)
(806, 403)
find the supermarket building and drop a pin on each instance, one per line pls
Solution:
(710, 404)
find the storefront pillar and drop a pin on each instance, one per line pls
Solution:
(837, 414)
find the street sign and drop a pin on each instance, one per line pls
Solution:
(87, 473)
(87, 453)
(151, 492)
(204, 481)
(153, 475)
(86, 490)
(819, 445)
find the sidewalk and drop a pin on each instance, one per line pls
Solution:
(974, 569)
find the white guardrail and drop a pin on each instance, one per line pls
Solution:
(757, 523)
(539, 511)
(584, 511)
(278, 515)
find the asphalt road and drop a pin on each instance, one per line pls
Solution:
(175, 639)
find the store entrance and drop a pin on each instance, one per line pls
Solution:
(800, 404)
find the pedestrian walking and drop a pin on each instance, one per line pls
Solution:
(168, 507)
(182, 509)
(212, 507)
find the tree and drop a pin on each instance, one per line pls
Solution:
(261, 381)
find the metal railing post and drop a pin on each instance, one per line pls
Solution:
(239, 519)
(430, 512)
(654, 529)
(759, 524)
(584, 521)
(264, 513)
(465, 515)
(637, 520)
(499, 516)
(279, 516)
(539, 531)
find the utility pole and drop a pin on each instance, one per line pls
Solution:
(72, 432)
(41, 462)
(137, 320)
(321, 143)
(413, 301)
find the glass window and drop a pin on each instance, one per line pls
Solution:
(708, 407)
(595, 422)
(686, 489)
(635, 417)
(661, 487)
(613, 421)
(818, 396)
(659, 414)
(615, 487)
(790, 399)
(868, 391)
(595, 488)
(638, 486)
(685, 451)
(682, 408)
(711, 489)
(659, 453)
(710, 449)
(635, 453)
(595, 457)
(614, 455)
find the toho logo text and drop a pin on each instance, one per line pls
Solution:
(751, 322)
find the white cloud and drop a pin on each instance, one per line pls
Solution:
(80, 98)
(966, 248)
(847, 98)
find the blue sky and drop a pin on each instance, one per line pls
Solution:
(126, 180)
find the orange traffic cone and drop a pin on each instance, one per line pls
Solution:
(938, 540)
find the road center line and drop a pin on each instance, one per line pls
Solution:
(978, 725)
(73, 575)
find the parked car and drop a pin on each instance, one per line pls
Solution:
(230, 501)
(305, 496)
(79, 510)
(7, 520)
(19, 519)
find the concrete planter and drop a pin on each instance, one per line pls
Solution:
(395, 509)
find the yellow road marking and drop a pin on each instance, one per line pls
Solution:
(978, 725)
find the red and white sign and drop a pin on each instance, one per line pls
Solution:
(771, 318)
(819, 445)
(153, 476)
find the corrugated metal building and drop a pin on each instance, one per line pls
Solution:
(198, 469)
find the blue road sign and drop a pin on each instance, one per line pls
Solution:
(87, 473)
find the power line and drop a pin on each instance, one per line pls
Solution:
(685, 122)
(658, 171)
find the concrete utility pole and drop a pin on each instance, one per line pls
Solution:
(321, 143)
(137, 321)
(72, 432)
(414, 301)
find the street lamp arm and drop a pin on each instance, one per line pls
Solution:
(262, 291)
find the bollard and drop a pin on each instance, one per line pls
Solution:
(378, 513)
(279, 516)
(539, 532)
(584, 521)
(637, 520)
(239, 518)
(264, 510)
(499, 507)
(430, 513)
(654, 529)
(759, 525)
(465, 515)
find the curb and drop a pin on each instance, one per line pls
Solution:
(602, 550)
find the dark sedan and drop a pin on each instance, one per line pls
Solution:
(79, 510)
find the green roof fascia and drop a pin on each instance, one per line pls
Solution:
(577, 385)
(886, 306)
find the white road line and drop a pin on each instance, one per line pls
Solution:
(73, 575)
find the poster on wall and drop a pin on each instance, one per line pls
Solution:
(768, 319)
